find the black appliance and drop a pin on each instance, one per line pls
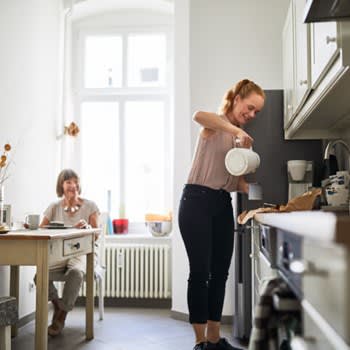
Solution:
(326, 10)
(268, 133)
(268, 244)
(289, 251)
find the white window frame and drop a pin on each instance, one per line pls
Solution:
(124, 94)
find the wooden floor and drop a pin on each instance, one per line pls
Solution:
(122, 329)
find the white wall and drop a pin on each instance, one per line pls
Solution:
(229, 40)
(29, 61)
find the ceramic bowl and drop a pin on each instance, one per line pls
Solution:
(159, 228)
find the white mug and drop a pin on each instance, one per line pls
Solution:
(241, 161)
(32, 220)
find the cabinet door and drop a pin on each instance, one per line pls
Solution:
(302, 49)
(324, 47)
(288, 65)
(314, 337)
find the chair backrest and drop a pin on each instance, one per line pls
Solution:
(103, 223)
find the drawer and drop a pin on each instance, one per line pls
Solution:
(326, 284)
(76, 245)
(317, 333)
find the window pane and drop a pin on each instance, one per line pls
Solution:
(100, 150)
(146, 60)
(144, 158)
(103, 61)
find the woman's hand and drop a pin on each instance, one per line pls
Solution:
(82, 224)
(245, 140)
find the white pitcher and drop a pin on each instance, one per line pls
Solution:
(241, 161)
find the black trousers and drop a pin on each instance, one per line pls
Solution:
(207, 228)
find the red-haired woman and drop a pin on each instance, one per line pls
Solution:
(206, 216)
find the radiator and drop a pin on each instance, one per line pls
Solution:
(137, 271)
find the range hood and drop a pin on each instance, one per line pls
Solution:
(326, 10)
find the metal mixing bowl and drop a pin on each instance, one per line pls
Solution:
(159, 228)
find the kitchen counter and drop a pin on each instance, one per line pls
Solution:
(318, 225)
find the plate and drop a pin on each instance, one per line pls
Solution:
(54, 227)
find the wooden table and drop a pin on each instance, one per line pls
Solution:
(43, 248)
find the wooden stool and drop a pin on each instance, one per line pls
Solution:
(8, 317)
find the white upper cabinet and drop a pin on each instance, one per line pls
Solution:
(316, 76)
(324, 48)
(302, 45)
(288, 66)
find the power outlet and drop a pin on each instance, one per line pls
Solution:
(31, 287)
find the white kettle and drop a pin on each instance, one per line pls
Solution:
(241, 161)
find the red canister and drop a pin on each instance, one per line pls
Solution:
(120, 226)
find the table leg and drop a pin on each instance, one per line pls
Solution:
(89, 296)
(42, 284)
(14, 292)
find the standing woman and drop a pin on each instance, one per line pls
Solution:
(72, 210)
(206, 215)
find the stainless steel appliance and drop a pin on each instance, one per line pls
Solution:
(326, 10)
(274, 151)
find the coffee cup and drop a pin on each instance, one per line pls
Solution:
(241, 161)
(32, 221)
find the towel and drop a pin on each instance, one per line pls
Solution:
(272, 328)
(304, 202)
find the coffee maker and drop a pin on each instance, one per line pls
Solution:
(300, 177)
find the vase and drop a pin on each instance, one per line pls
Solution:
(2, 201)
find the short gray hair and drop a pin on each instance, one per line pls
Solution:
(66, 174)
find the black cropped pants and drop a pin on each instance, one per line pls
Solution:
(207, 228)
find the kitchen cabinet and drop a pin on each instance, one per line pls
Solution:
(334, 278)
(324, 48)
(296, 60)
(288, 66)
(316, 77)
(302, 57)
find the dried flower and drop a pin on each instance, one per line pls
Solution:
(4, 163)
(72, 129)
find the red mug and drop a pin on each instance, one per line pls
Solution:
(120, 226)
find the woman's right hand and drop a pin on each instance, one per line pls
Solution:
(245, 140)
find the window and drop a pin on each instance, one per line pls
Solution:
(124, 109)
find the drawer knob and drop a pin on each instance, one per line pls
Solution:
(305, 267)
(330, 39)
(76, 245)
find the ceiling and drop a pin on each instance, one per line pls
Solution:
(85, 8)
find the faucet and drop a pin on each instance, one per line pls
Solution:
(330, 164)
(331, 144)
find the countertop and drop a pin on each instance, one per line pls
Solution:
(318, 225)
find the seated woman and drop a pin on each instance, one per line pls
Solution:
(75, 211)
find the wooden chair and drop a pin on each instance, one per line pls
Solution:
(8, 317)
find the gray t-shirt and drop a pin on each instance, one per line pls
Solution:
(55, 212)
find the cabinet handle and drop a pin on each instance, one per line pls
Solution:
(299, 342)
(76, 246)
(303, 82)
(330, 39)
